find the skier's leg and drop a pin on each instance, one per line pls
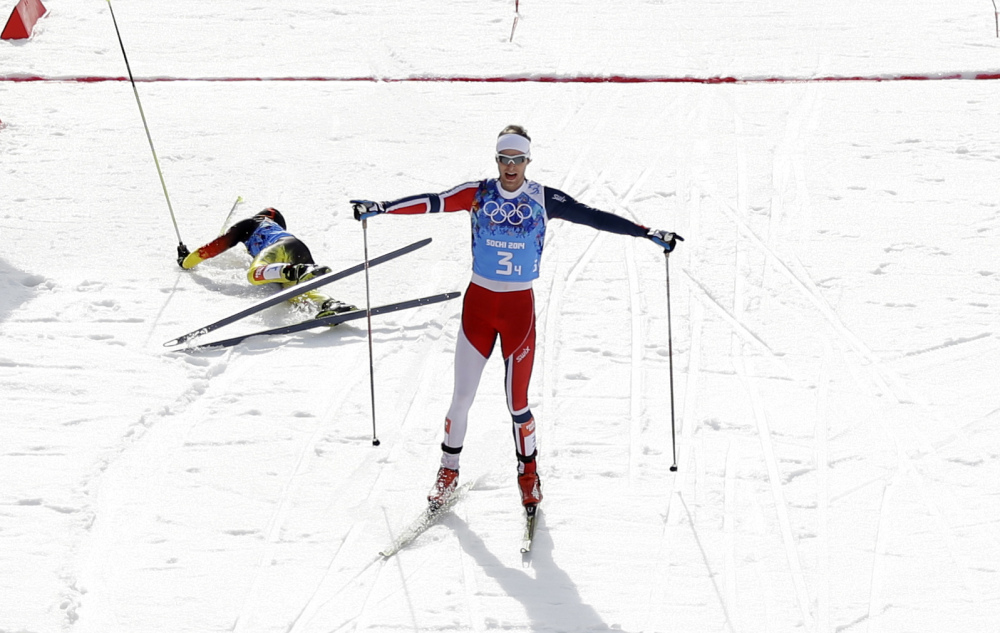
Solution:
(270, 264)
(298, 253)
(469, 366)
(475, 343)
(470, 360)
(518, 345)
(517, 340)
(476, 338)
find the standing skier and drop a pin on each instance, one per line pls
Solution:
(278, 257)
(509, 216)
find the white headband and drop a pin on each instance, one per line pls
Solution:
(514, 141)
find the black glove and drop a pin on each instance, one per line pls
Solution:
(665, 239)
(364, 209)
(182, 253)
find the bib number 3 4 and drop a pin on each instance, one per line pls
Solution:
(506, 265)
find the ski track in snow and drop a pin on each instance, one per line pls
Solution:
(788, 147)
(741, 298)
(888, 383)
(822, 458)
(172, 425)
(276, 524)
(656, 618)
(884, 380)
(169, 429)
(636, 387)
(324, 593)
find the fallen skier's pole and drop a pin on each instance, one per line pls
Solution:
(180, 243)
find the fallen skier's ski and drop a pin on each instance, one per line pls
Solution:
(294, 291)
(329, 320)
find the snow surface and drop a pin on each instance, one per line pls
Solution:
(835, 327)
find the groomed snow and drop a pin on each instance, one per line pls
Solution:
(834, 305)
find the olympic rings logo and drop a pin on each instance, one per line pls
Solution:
(507, 212)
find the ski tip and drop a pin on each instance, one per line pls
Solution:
(184, 339)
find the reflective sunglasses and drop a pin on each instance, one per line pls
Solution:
(516, 159)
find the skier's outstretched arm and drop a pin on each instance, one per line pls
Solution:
(562, 206)
(236, 234)
(459, 198)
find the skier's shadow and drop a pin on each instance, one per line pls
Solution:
(16, 288)
(550, 598)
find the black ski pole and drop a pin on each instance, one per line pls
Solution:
(371, 357)
(180, 242)
(670, 356)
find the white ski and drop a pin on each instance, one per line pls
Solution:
(426, 519)
(530, 519)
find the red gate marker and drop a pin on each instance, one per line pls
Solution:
(22, 20)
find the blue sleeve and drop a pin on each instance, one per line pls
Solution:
(559, 205)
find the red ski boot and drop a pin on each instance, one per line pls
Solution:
(530, 485)
(444, 485)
